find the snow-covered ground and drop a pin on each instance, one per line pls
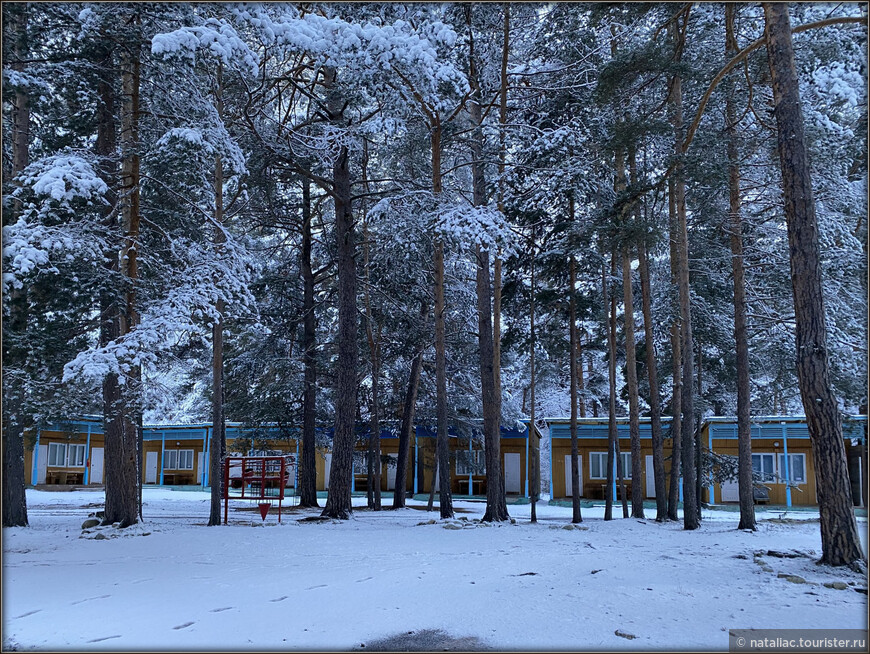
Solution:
(172, 583)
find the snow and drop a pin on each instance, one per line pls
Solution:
(338, 585)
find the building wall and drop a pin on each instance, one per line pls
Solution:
(65, 474)
(802, 495)
(594, 488)
(458, 483)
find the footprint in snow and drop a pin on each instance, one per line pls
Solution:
(359, 581)
(225, 608)
(88, 599)
(279, 599)
(318, 586)
(24, 615)
(183, 626)
(97, 640)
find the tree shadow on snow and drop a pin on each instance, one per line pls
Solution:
(425, 640)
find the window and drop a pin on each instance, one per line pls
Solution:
(598, 465)
(77, 456)
(185, 459)
(170, 460)
(360, 463)
(796, 468)
(57, 454)
(626, 464)
(763, 465)
(470, 463)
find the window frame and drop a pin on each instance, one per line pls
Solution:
(79, 447)
(170, 459)
(467, 461)
(57, 446)
(602, 456)
(626, 465)
(781, 462)
(187, 453)
(772, 479)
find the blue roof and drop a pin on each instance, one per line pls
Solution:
(426, 431)
(719, 427)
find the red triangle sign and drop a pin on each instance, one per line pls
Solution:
(264, 508)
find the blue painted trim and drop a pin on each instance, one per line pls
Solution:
(34, 476)
(681, 489)
(712, 489)
(785, 456)
(551, 463)
(527, 464)
(88, 457)
(204, 458)
(162, 457)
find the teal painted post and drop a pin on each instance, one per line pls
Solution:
(528, 437)
(785, 457)
(470, 471)
(681, 489)
(296, 476)
(204, 457)
(712, 489)
(88, 456)
(34, 475)
(615, 496)
(162, 455)
(551, 464)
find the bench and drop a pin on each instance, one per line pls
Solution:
(478, 486)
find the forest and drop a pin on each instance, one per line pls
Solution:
(456, 215)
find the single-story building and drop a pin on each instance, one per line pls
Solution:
(468, 461)
(781, 451)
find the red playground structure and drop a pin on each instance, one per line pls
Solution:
(256, 478)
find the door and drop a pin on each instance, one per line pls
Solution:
(650, 477)
(391, 476)
(730, 491)
(150, 467)
(512, 472)
(569, 489)
(200, 466)
(326, 469)
(41, 463)
(96, 465)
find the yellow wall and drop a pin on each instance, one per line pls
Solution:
(594, 488)
(804, 495)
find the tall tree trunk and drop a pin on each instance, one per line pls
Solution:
(218, 427)
(581, 384)
(121, 439)
(338, 501)
(373, 465)
(442, 447)
(534, 447)
(690, 499)
(840, 543)
(308, 467)
(631, 381)
(576, 517)
(612, 434)
(496, 505)
(655, 411)
(408, 422)
(620, 473)
(741, 340)
(15, 325)
(677, 379)
(631, 366)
